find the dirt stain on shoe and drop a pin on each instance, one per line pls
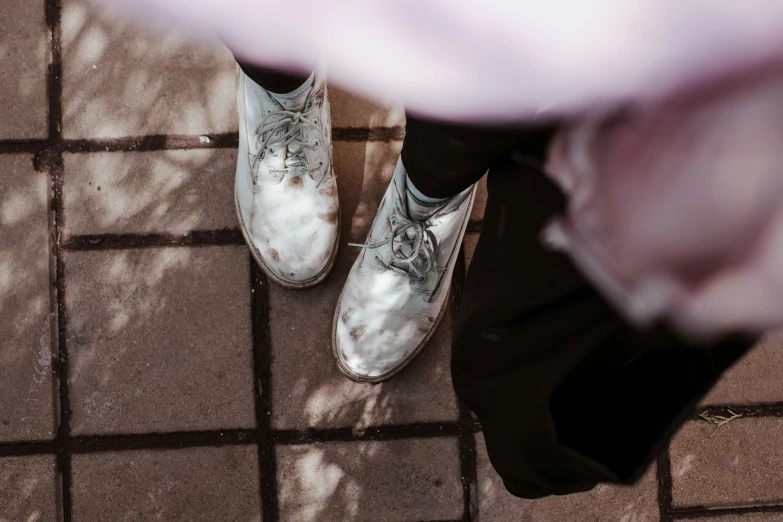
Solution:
(312, 237)
(330, 216)
(348, 314)
(275, 254)
(358, 331)
(305, 219)
(295, 182)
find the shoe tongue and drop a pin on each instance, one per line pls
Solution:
(420, 211)
(295, 103)
(295, 100)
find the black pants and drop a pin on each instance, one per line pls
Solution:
(567, 393)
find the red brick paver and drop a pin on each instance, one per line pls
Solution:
(24, 41)
(178, 485)
(28, 489)
(395, 481)
(26, 325)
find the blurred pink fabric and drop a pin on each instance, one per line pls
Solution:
(675, 209)
(673, 163)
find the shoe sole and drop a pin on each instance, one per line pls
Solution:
(405, 362)
(294, 285)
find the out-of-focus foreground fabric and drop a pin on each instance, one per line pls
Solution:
(674, 158)
(498, 59)
(676, 209)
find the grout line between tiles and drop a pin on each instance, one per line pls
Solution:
(467, 440)
(262, 361)
(663, 472)
(55, 145)
(54, 166)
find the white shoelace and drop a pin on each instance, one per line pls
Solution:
(422, 243)
(290, 125)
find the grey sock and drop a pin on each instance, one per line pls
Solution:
(418, 195)
(421, 207)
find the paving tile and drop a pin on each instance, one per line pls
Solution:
(159, 340)
(307, 388)
(352, 110)
(755, 378)
(25, 54)
(603, 503)
(477, 214)
(402, 480)
(118, 81)
(183, 485)
(172, 191)
(28, 489)
(741, 464)
(25, 331)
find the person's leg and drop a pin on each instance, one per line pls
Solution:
(443, 159)
(273, 80)
(396, 292)
(568, 395)
(286, 192)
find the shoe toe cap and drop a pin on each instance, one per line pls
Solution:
(296, 259)
(369, 350)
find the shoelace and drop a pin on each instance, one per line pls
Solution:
(423, 248)
(291, 123)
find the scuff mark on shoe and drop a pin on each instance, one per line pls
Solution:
(312, 237)
(275, 254)
(358, 331)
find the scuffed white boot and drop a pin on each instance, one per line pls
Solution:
(396, 291)
(285, 187)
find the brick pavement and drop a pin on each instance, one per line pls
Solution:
(148, 371)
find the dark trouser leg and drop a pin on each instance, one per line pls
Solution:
(272, 80)
(567, 393)
(443, 159)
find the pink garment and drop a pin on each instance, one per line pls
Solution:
(674, 164)
(675, 209)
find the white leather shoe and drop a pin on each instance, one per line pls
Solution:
(396, 291)
(285, 187)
